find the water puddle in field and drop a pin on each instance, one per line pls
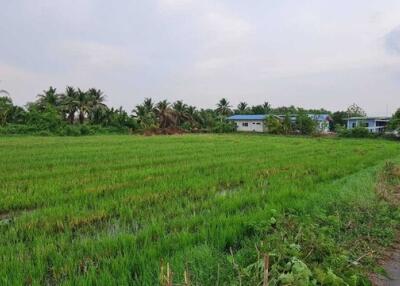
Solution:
(227, 189)
(8, 217)
(5, 218)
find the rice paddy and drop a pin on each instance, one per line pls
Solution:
(107, 210)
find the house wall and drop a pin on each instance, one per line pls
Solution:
(323, 126)
(370, 124)
(252, 125)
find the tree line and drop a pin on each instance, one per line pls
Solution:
(75, 111)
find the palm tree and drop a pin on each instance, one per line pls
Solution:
(224, 107)
(181, 111)
(166, 116)
(267, 107)
(69, 103)
(84, 104)
(48, 98)
(145, 113)
(6, 106)
(4, 91)
(242, 108)
(96, 102)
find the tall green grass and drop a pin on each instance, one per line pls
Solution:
(113, 209)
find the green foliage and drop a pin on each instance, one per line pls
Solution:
(305, 125)
(339, 119)
(46, 120)
(274, 125)
(223, 126)
(357, 132)
(394, 123)
(6, 107)
(223, 107)
(355, 111)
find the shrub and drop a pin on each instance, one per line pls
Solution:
(357, 132)
(305, 124)
(274, 125)
(224, 126)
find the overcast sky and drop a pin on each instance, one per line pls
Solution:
(310, 53)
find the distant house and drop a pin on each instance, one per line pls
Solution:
(322, 120)
(373, 124)
(256, 122)
(249, 122)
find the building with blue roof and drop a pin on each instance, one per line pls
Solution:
(256, 122)
(249, 122)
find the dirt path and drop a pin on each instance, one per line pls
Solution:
(391, 264)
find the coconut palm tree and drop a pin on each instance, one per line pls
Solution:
(242, 108)
(96, 102)
(145, 113)
(84, 104)
(48, 98)
(181, 110)
(166, 115)
(223, 107)
(4, 91)
(69, 103)
(6, 107)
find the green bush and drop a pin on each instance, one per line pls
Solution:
(224, 126)
(357, 132)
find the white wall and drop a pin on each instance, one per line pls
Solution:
(252, 125)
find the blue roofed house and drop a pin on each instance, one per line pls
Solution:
(249, 122)
(256, 122)
(373, 124)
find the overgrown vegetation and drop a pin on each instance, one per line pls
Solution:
(77, 112)
(124, 209)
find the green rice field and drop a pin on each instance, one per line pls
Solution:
(192, 210)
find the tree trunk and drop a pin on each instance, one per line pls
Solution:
(71, 117)
(81, 117)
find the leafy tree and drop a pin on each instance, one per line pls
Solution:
(355, 111)
(261, 109)
(274, 125)
(48, 120)
(285, 110)
(6, 107)
(305, 124)
(339, 118)
(223, 107)
(287, 125)
(17, 115)
(395, 121)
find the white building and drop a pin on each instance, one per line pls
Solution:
(249, 122)
(373, 124)
(256, 122)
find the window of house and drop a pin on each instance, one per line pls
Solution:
(258, 123)
(245, 124)
(353, 125)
